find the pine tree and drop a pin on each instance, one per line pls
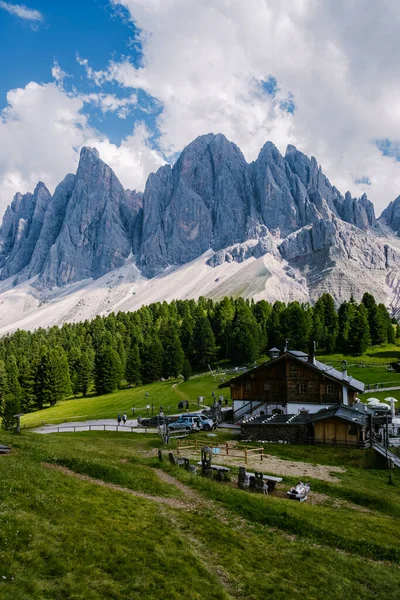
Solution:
(202, 348)
(173, 353)
(27, 383)
(244, 339)
(152, 356)
(325, 307)
(133, 366)
(43, 380)
(186, 370)
(60, 378)
(275, 328)
(298, 324)
(107, 371)
(346, 314)
(85, 372)
(359, 338)
(11, 393)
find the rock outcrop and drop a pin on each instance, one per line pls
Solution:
(211, 199)
(21, 228)
(391, 216)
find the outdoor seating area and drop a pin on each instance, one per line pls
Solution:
(257, 481)
(218, 472)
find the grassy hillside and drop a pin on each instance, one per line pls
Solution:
(164, 393)
(370, 368)
(145, 535)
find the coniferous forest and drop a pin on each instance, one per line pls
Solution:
(166, 340)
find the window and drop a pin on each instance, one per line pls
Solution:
(303, 388)
(248, 386)
(330, 390)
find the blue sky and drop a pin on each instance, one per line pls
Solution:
(90, 28)
(140, 79)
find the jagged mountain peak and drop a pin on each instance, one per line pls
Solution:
(210, 199)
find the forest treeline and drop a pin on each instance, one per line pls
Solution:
(164, 340)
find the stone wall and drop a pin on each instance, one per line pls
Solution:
(273, 433)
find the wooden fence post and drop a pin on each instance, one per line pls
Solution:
(245, 456)
(262, 453)
(227, 448)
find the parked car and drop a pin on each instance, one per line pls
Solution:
(190, 424)
(154, 421)
(207, 423)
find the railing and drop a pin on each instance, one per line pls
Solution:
(224, 449)
(70, 428)
(247, 408)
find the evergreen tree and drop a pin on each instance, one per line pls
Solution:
(43, 380)
(152, 355)
(262, 311)
(133, 366)
(107, 371)
(11, 393)
(244, 340)
(60, 378)
(202, 347)
(346, 314)
(186, 370)
(84, 372)
(359, 338)
(297, 322)
(275, 327)
(325, 307)
(173, 353)
(27, 383)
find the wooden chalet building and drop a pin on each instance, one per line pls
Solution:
(295, 386)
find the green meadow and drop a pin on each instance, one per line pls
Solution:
(151, 530)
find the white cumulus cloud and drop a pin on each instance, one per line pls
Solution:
(42, 130)
(22, 11)
(204, 60)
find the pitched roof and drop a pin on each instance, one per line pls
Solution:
(319, 366)
(298, 419)
(341, 411)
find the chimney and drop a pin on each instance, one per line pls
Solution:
(344, 370)
(311, 353)
(286, 348)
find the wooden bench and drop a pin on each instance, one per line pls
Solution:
(222, 472)
(270, 479)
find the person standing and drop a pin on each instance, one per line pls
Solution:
(124, 418)
(119, 419)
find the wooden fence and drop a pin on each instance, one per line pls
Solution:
(224, 449)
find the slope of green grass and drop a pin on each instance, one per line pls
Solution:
(168, 393)
(163, 393)
(61, 537)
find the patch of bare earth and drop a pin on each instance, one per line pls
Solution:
(118, 488)
(274, 466)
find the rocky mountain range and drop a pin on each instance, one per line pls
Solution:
(278, 210)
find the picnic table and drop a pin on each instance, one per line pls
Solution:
(221, 471)
(270, 479)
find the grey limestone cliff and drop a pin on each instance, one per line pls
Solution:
(210, 199)
(22, 225)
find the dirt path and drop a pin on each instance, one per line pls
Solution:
(173, 503)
